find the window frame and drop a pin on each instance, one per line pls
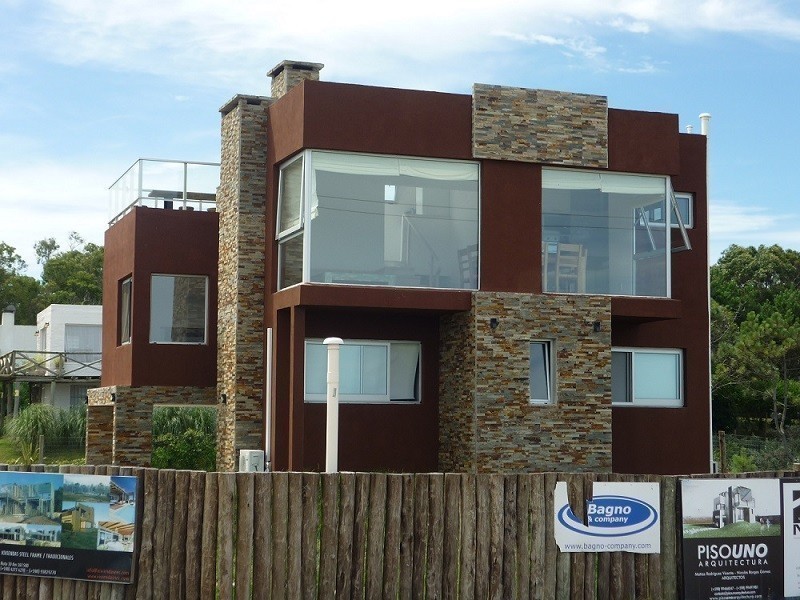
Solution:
(285, 233)
(125, 311)
(549, 371)
(315, 398)
(205, 310)
(631, 353)
(688, 223)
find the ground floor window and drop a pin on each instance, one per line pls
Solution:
(369, 371)
(541, 372)
(647, 377)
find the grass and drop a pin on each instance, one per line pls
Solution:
(734, 530)
(9, 454)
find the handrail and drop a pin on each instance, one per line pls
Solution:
(50, 365)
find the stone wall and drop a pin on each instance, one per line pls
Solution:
(241, 202)
(487, 422)
(539, 126)
(131, 422)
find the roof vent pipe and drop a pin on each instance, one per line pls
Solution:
(690, 129)
(704, 120)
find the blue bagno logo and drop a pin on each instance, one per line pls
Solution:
(610, 516)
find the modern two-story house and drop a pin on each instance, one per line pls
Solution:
(519, 276)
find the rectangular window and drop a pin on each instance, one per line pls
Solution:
(178, 309)
(377, 220)
(368, 371)
(647, 377)
(125, 297)
(604, 233)
(290, 223)
(77, 395)
(541, 372)
(85, 340)
(685, 203)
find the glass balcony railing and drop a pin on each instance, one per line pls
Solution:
(165, 184)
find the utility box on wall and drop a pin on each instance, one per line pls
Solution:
(251, 460)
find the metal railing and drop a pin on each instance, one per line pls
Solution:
(33, 365)
(166, 184)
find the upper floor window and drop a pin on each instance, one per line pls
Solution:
(378, 220)
(178, 309)
(125, 300)
(606, 233)
(369, 371)
(85, 340)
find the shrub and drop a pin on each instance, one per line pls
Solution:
(184, 438)
(25, 429)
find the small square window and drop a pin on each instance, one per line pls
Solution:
(541, 372)
(178, 309)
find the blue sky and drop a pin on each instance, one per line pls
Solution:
(89, 86)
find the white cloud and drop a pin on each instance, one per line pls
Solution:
(236, 41)
(751, 225)
(49, 199)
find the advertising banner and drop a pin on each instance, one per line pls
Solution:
(732, 545)
(620, 517)
(68, 526)
(790, 492)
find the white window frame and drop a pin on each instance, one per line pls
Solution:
(205, 311)
(282, 234)
(549, 371)
(631, 378)
(369, 398)
(688, 223)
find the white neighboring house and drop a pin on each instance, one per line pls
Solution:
(76, 331)
(13, 336)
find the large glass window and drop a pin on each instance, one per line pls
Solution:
(646, 377)
(378, 220)
(368, 371)
(178, 309)
(605, 233)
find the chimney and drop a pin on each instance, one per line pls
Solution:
(704, 120)
(288, 73)
(8, 315)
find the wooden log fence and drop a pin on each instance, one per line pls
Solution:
(287, 536)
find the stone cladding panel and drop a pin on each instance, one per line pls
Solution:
(241, 202)
(289, 74)
(500, 429)
(131, 420)
(457, 424)
(539, 126)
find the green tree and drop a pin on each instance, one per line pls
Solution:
(73, 276)
(16, 288)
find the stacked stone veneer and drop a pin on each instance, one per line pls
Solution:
(539, 126)
(288, 73)
(241, 202)
(487, 422)
(120, 427)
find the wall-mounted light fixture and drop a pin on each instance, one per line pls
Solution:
(224, 398)
(597, 326)
(493, 323)
(113, 397)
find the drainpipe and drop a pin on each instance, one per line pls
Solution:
(332, 398)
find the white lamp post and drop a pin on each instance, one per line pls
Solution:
(332, 399)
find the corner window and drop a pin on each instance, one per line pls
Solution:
(125, 297)
(374, 371)
(358, 219)
(646, 377)
(541, 372)
(178, 309)
(607, 233)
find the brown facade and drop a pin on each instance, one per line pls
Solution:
(473, 413)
